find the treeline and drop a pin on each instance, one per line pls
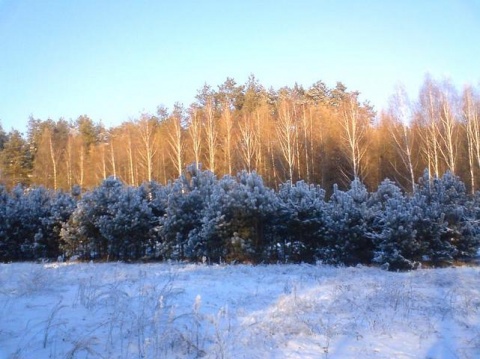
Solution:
(318, 134)
(200, 218)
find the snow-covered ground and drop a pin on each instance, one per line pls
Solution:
(278, 311)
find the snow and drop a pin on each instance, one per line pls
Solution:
(117, 310)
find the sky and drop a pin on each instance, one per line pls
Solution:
(114, 60)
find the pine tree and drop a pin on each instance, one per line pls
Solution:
(216, 230)
(450, 194)
(249, 220)
(430, 212)
(301, 222)
(87, 232)
(5, 250)
(182, 223)
(128, 226)
(348, 239)
(393, 232)
(15, 160)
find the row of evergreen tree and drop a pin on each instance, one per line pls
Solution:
(238, 219)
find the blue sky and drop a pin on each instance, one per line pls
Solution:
(115, 59)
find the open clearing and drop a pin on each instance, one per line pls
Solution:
(116, 310)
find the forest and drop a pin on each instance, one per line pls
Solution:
(252, 175)
(321, 135)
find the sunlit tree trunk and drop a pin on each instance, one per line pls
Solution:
(131, 170)
(104, 161)
(287, 135)
(82, 165)
(112, 159)
(175, 140)
(354, 130)
(49, 134)
(262, 138)
(228, 126)
(448, 126)
(69, 161)
(306, 147)
(195, 131)
(147, 134)
(430, 114)
(470, 113)
(248, 142)
(400, 130)
(211, 134)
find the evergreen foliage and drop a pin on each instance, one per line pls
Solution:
(393, 230)
(301, 223)
(182, 222)
(348, 221)
(30, 222)
(239, 219)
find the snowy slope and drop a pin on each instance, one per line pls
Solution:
(278, 311)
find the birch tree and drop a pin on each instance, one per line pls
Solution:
(210, 133)
(471, 105)
(287, 136)
(227, 122)
(448, 133)
(175, 138)
(195, 132)
(248, 142)
(401, 112)
(354, 126)
(429, 113)
(147, 128)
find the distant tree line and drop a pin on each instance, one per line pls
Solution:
(318, 134)
(201, 218)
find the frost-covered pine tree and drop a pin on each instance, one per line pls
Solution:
(111, 222)
(182, 222)
(157, 198)
(300, 225)
(459, 209)
(61, 207)
(238, 222)
(129, 225)
(393, 232)
(433, 206)
(83, 234)
(25, 211)
(453, 231)
(216, 231)
(348, 240)
(251, 218)
(7, 248)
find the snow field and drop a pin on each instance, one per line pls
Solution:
(85, 310)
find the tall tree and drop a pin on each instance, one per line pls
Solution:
(3, 137)
(211, 134)
(228, 132)
(354, 123)
(429, 117)
(147, 129)
(175, 138)
(16, 161)
(449, 111)
(471, 109)
(230, 98)
(248, 142)
(286, 132)
(195, 132)
(49, 140)
(88, 136)
(400, 111)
